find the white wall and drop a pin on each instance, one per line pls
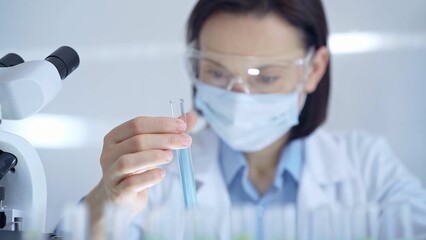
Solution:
(131, 64)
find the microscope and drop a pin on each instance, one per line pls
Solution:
(25, 88)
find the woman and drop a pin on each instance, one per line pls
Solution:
(261, 81)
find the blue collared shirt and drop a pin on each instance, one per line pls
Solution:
(283, 189)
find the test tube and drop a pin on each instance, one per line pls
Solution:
(320, 224)
(184, 160)
(364, 222)
(116, 222)
(280, 223)
(163, 223)
(395, 222)
(243, 222)
(75, 224)
(32, 225)
(201, 224)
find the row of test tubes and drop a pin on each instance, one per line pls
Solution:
(367, 222)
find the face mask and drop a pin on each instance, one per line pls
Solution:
(247, 122)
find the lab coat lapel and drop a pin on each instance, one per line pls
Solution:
(212, 190)
(326, 164)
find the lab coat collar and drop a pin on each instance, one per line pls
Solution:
(333, 166)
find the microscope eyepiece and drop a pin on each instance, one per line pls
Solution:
(11, 60)
(65, 59)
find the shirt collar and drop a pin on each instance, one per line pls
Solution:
(231, 162)
(291, 160)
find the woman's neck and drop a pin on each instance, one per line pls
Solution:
(262, 164)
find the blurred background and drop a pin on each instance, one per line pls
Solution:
(132, 64)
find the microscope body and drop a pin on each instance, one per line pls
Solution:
(26, 189)
(25, 88)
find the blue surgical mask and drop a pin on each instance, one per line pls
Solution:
(247, 122)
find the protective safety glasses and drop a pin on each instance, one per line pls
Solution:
(249, 74)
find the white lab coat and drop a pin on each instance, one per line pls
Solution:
(347, 169)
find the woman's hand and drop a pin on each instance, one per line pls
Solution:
(131, 158)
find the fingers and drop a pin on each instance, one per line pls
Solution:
(146, 125)
(139, 182)
(153, 141)
(139, 162)
(151, 125)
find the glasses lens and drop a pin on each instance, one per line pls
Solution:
(214, 73)
(265, 77)
(275, 79)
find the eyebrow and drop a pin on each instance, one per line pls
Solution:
(257, 67)
(216, 63)
(270, 65)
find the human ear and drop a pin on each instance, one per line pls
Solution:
(317, 69)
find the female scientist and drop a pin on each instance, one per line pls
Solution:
(261, 72)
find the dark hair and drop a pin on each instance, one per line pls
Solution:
(306, 15)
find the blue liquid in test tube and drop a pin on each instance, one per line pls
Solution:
(185, 161)
(187, 177)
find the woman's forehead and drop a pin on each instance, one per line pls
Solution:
(250, 35)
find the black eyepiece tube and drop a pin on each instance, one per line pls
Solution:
(11, 60)
(65, 59)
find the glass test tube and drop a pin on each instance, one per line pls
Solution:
(185, 160)
(116, 222)
(396, 222)
(364, 222)
(75, 224)
(243, 221)
(32, 225)
(201, 224)
(163, 223)
(280, 223)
